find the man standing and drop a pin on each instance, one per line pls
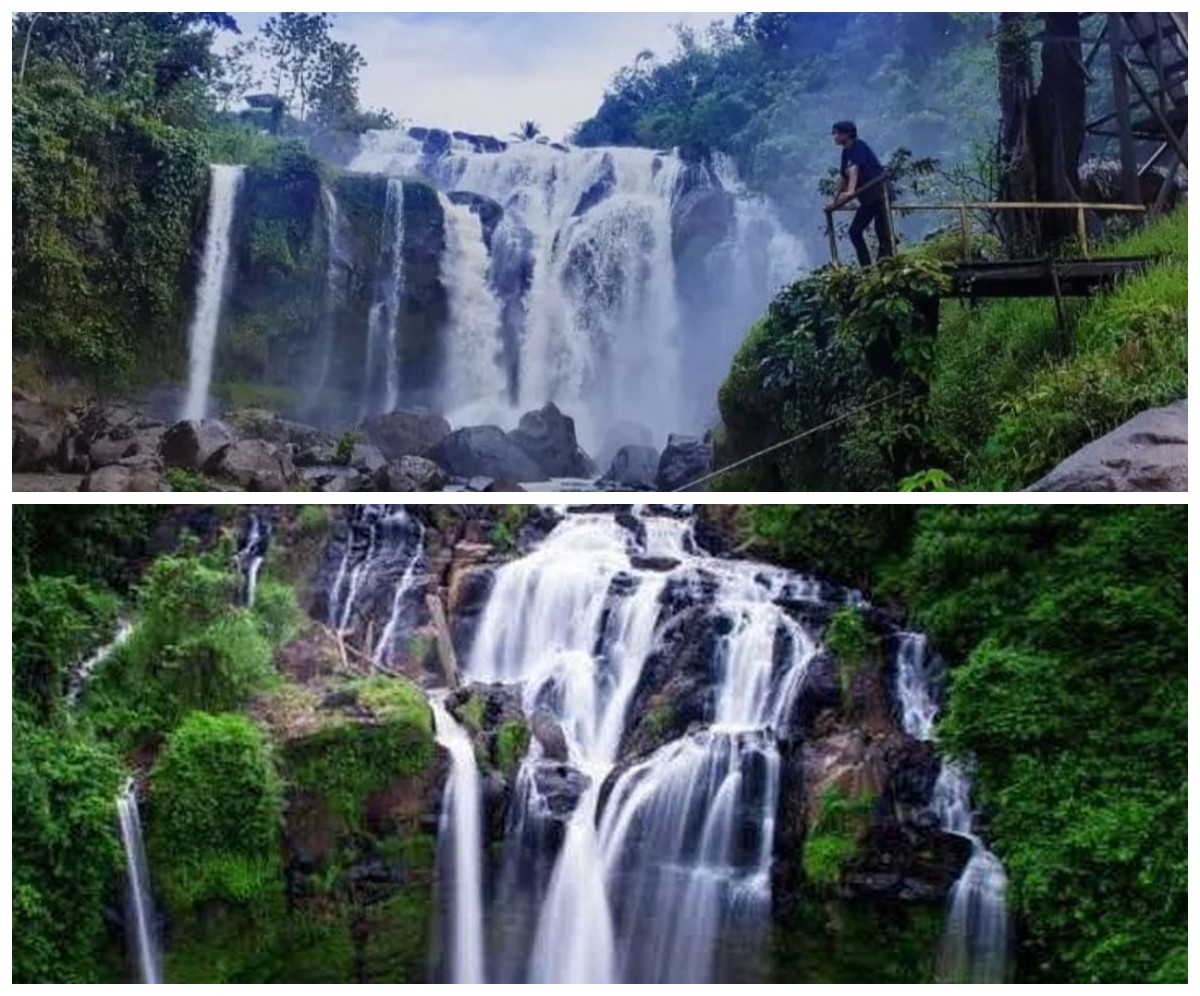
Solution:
(860, 171)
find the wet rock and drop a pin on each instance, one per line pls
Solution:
(1147, 453)
(495, 486)
(401, 434)
(547, 437)
(905, 861)
(485, 451)
(117, 477)
(367, 458)
(323, 454)
(634, 467)
(561, 786)
(253, 464)
(37, 432)
(410, 473)
(190, 444)
(489, 212)
(333, 478)
(685, 460)
(653, 563)
(481, 143)
(258, 423)
(623, 433)
(600, 189)
(547, 732)
(435, 142)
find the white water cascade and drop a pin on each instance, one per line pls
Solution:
(335, 265)
(224, 185)
(976, 939)
(381, 376)
(475, 391)
(575, 623)
(606, 329)
(80, 674)
(141, 927)
(252, 551)
(460, 837)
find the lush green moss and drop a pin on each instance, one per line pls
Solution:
(512, 741)
(471, 712)
(214, 827)
(66, 855)
(834, 836)
(851, 641)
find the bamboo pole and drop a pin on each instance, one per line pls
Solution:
(1081, 230)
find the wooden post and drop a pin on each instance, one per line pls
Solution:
(445, 645)
(832, 232)
(1081, 230)
(1168, 131)
(1129, 179)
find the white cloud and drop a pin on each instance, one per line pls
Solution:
(487, 72)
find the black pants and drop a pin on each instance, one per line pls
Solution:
(867, 213)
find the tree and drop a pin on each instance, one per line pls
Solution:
(527, 131)
(335, 89)
(299, 44)
(236, 73)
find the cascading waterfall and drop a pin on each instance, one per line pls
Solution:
(335, 265)
(405, 587)
(141, 927)
(381, 375)
(476, 388)
(460, 846)
(575, 623)
(252, 550)
(976, 939)
(603, 310)
(83, 671)
(224, 185)
(382, 548)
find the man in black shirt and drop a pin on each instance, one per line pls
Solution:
(860, 168)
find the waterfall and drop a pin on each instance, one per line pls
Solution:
(574, 623)
(476, 389)
(404, 589)
(224, 185)
(590, 262)
(460, 847)
(141, 927)
(252, 550)
(83, 671)
(382, 545)
(334, 264)
(975, 942)
(381, 376)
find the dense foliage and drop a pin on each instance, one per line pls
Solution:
(990, 400)
(766, 89)
(1065, 629)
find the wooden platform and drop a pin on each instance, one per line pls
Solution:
(1041, 278)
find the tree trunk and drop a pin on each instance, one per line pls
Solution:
(1018, 178)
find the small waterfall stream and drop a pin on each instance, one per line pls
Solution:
(381, 375)
(140, 924)
(80, 674)
(251, 552)
(975, 943)
(225, 183)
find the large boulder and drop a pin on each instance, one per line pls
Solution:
(140, 447)
(258, 423)
(190, 444)
(119, 477)
(401, 434)
(634, 467)
(253, 464)
(623, 433)
(410, 473)
(547, 437)
(685, 460)
(1147, 453)
(489, 212)
(37, 433)
(485, 451)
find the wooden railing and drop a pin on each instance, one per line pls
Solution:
(964, 210)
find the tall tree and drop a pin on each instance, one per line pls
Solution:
(299, 44)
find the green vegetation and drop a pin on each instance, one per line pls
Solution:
(213, 832)
(992, 401)
(66, 855)
(344, 452)
(851, 642)
(766, 89)
(512, 741)
(1066, 632)
(834, 836)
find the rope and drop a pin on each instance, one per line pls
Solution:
(788, 442)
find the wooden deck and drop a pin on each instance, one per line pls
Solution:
(1041, 278)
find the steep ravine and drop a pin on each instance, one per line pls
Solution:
(654, 727)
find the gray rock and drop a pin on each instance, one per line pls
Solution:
(489, 212)
(140, 447)
(686, 459)
(332, 478)
(258, 423)
(401, 434)
(623, 433)
(190, 444)
(547, 731)
(321, 455)
(117, 477)
(367, 458)
(561, 787)
(37, 433)
(547, 437)
(485, 451)
(410, 473)
(634, 467)
(604, 184)
(254, 464)
(1147, 453)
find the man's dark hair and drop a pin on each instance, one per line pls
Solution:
(845, 128)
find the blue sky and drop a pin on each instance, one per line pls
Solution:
(487, 72)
